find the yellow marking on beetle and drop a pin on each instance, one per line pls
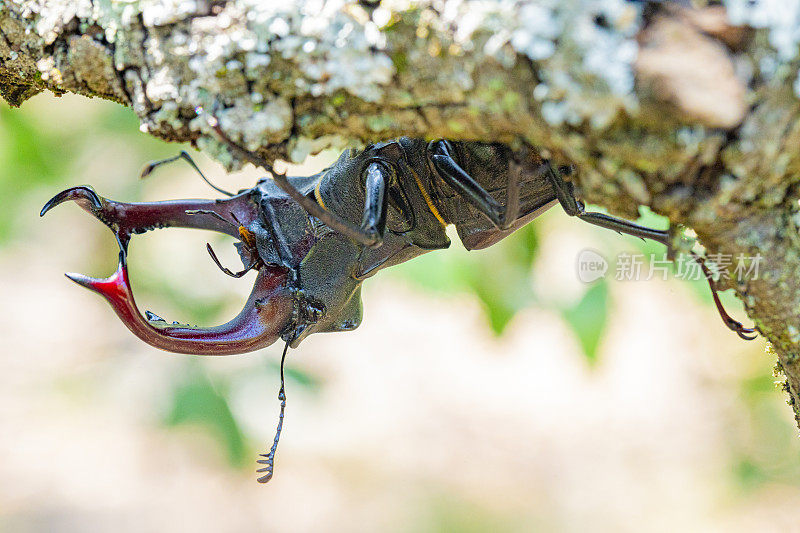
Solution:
(247, 237)
(318, 194)
(428, 199)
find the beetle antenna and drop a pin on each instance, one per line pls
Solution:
(150, 167)
(269, 458)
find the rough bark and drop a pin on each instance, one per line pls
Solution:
(690, 111)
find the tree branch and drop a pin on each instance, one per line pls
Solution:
(693, 112)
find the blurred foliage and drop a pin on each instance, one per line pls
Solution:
(31, 157)
(200, 399)
(36, 155)
(499, 277)
(588, 318)
(756, 461)
(194, 309)
(447, 512)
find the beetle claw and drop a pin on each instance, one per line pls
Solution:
(255, 327)
(738, 328)
(86, 281)
(747, 337)
(266, 314)
(127, 219)
(732, 324)
(81, 195)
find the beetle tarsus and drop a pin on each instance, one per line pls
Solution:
(732, 324)
(575, 207)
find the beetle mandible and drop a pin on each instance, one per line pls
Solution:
(314, 240)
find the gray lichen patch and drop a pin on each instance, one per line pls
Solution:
(256, 56)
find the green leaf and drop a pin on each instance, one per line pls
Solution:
(588, 318)
(199, 401)
(503, 289)
(501, 278)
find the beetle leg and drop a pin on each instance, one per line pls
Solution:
(269, 458)
(455, 176)
(733, 324)
(127, 219)
(575, 207)
(374, 221)
(150, 167)
(330, 219)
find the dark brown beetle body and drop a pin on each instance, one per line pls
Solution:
(310, 274)
(314, 240)
(420, 204)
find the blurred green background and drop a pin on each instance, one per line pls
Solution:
(485, 391)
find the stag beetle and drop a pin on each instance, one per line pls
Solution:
(314, 240)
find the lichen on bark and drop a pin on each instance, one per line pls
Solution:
(692, 111)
